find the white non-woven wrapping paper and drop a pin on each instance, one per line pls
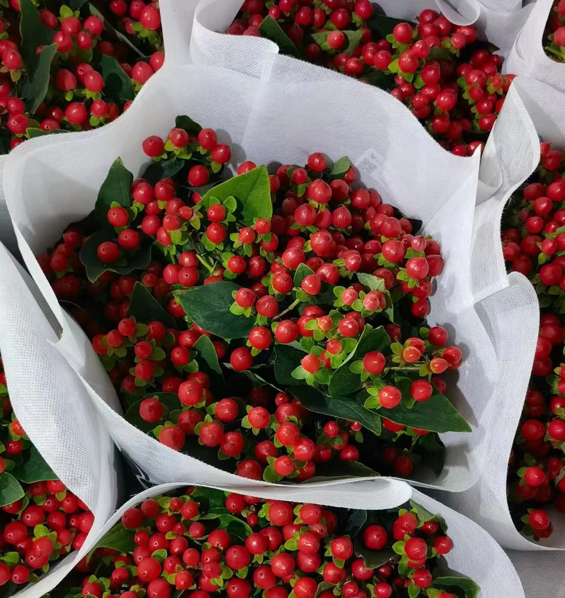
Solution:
(500, 22)
(527, 56)
(508, 305)
(281, 119)
(541, 574)
(53, 407)
(475, 554)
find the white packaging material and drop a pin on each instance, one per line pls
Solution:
(508, 305)
(52, 181)
(53, 407)
(541, 574)
(501, 21)
(475, 554)
(527, 56)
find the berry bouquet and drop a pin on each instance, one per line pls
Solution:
(46, 522)
(224, 307)
(170, 539)
(301, 284)
(521, 490)
(73, 68)
(451, 82)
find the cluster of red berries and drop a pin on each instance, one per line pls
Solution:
(554, 38)
(533, 243)
(321, 265)
(89, 78)
(207, 541)
(434, 67)
(41, 521)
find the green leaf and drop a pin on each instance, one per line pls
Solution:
(469, 588)
(353, 39)
(169, 400)
(379, 79)
(209, 306)
(355, 522)
(236, 526)
(301, 273)
(164, 169)
(187, 124)
(118, 538)
(10, 489)
(32, 132)
(33, 32)
(35, 85)
(372, 282)
(120, 36)
(438, 53)
(117, 84)
(340, 168)
(95, 268)
(116, 188)
(373, 558)
(424, 515)
(436, 414)
(432, 451)
(33, 469)
(342, 469)
(146, 308)
(383, 25)
(208, 352)
(252, 190)
(344, 381)
(413, 591)
(270, 29)
(76, 4)
(287, 359)
(213, 501)
(338, 406)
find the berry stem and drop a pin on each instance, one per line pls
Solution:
(205, 264)
(289, 308)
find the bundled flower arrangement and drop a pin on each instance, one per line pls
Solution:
(533, 244)
(554, 38)
(72, 68)
(272, 324)
(207, 541)
(41, 520)
(448, 79)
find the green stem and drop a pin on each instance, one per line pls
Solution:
(411, 369)
(556, 52)
(289, 308)
(205, 264)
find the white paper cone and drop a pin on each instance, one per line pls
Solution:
(53, 407)
(508, 305)
(501, 21)
(527, 56)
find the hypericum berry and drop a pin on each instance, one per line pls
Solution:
(374, 362)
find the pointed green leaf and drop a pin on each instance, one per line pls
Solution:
(146, 308)
(209, 306)
(115, 188)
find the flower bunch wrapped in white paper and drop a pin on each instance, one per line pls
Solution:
(357, 540)
(58, 483)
